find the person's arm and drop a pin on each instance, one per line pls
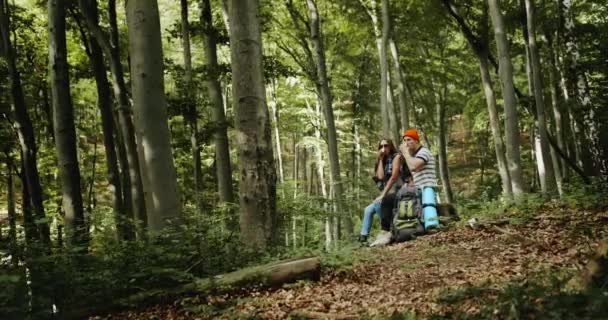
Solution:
(379, 174)
(394, 176)
(415, 164)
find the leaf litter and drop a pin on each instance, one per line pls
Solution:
(412, 277)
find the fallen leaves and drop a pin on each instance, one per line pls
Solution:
(413, 275)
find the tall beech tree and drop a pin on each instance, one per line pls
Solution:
(150, 112)
(316, 38)
(510, 104)
(257, 186)
(24, 128)
(129, 160)
(64, 129)
(218, 117)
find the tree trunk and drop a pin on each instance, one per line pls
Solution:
(296, 165)
(356, 148)
(12, 214)
(381, 46)
(392, 116)
(326, 99)
(257, 187)
(511, 118)
(386, 127)
(271, 275)
(556, 104)
(225, 14)
(320, 164)
(150, 110)
(586, 124)
(404, 100)
(499, 147)
(109, 45)
(192, 112)
(104, 103)
(442, 143)
(547, 178)
(65, 131)
(218, 117)
(274, 113)
(25, 131)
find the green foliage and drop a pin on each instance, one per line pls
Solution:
(13, 293)
(586, 196)
(115, 271)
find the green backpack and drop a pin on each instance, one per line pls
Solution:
(406, 219)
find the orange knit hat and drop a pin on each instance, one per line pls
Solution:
(412, 133)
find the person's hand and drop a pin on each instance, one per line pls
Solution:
(378, 200)
(405, 149)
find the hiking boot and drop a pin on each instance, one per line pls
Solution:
(383, 238)
(362, 238)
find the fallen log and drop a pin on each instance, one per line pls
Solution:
(268, 275)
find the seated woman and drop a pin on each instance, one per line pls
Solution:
(389, 174)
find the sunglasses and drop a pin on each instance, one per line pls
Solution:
(383, 146)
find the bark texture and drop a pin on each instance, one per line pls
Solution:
(150, 110)
(510, 106)
(316, 38)
(257, 187)
(64, 129)
(218, 117)
(24, 128)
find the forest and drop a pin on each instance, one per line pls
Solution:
(213, 158)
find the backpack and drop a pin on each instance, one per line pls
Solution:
(407, 217)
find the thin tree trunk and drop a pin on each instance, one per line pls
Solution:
(356, 148)
(393, 119)
(109, 44)
(257, 187)
(122, 217)
(150, 109)
(586, 125)
(296, 165)
(25, 130)
(320, 164)
(547, 178)
(386, 127)
(12, 214)
(511, 118)
(225, 14)
(556, 104)
(192, 112)
(499, 147)
(326, 99)
(442, 143)
(294, 229)
(380, 44)
(404, 100)
(65, 131)
(558, 163)
(274, 113)
(218, 116)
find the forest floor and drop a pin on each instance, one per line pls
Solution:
(459, 273)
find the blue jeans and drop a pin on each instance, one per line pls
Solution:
(368, 217)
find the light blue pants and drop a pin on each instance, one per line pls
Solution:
(368, 217)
